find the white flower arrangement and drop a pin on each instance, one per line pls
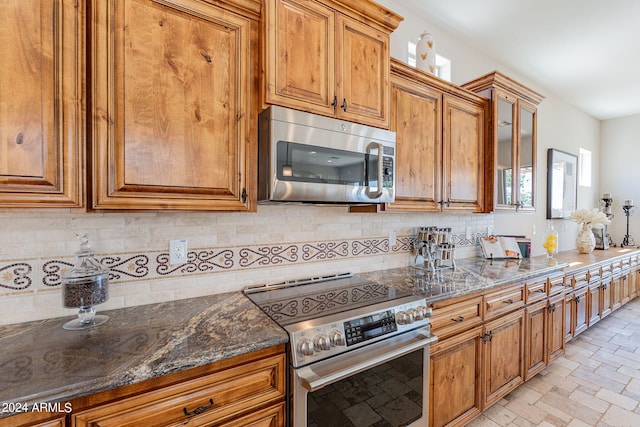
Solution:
(592, 217)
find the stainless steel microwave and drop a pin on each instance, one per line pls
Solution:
(308, 158)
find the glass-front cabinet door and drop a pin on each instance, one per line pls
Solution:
(526, 157)
(505, 154)
(515, 153)
(513, 140)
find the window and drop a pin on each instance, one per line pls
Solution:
(584, 166)
(443, 65)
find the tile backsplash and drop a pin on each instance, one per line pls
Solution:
(226, 251)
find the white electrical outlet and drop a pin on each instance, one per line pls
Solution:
(392, 238)
(177, 251)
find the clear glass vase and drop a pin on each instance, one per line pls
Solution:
(550, 242)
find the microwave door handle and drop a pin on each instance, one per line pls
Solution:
(379, 170)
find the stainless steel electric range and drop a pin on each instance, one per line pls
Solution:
(359, 350)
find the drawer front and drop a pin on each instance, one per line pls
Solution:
(269, 417)
(625, 263)
(33, 419)
(607, 269)
(581, 278)
(556, 284)
(217, 396)
(616, 267)
(535, 291)
(455, 318)
(505, 301)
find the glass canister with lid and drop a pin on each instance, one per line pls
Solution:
(85, 286)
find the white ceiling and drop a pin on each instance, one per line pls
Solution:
(586, 51)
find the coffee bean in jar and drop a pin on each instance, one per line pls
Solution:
(85, 292)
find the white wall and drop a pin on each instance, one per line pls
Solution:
(560, 125)
(620, 171)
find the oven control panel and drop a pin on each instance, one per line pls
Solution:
(322, 338)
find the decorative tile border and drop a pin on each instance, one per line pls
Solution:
(19, 276)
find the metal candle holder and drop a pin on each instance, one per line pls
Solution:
(606, 202)
(628, 209)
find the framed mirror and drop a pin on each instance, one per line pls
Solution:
(562, 183)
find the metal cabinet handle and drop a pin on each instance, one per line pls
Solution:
(334, 104)
(459, 319)
(509, 301)
(344, 104)
(487, 336)
(577, 298)
(199, 409)
(552, 307)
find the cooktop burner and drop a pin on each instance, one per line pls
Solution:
(296, 301)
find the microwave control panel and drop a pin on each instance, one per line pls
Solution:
(387, 172)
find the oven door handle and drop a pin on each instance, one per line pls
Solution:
(379, 171)
(320, 374)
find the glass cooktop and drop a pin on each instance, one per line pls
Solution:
(297, 301)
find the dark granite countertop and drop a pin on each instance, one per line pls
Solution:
(41, 362)
(471, 275)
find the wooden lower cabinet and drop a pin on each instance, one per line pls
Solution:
(503, 356)
(544, 334)
(606, 303)
(576, 318)
(555, 327)
(270, 417)
(536, 332)
(594, 302)
(634, 282)
(456, 379)
(248, 394)
(34, 419)
(617, 284)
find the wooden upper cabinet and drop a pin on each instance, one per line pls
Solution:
(362, 73)
(41, 104)
(511, 154)
(300, 55)
(416, 117)
(321, 57)
(174, 112)
(463, 149)
(440, 133)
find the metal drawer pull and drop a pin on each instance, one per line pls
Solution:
(541, 290)
(509, 301)
(199, 409)
(459, 319)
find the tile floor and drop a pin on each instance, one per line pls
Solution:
(596, 382)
